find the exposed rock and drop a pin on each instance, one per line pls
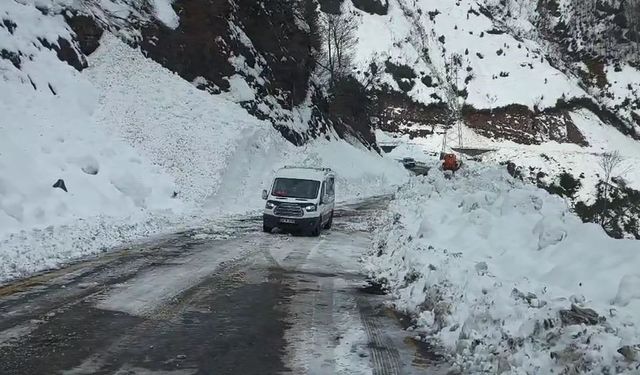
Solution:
(13, 57)
(330, 6)
(402, 74)
(482, 268)
(380, 7)
(208, 48)
(66, 52)
(197, 48)
(60, 185)
(10, 25)
(397, 113)
(578, 315)
(519, 124)
(630, 353)
(88, 32)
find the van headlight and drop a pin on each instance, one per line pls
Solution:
(311, 208)
(270, 205)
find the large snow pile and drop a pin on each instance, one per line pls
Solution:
(500, 273)
(140, 150)
(215, 151)
(48, 134)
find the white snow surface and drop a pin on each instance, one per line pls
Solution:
(501, 65)
(165, 13)
(486, 262)
(141, 151)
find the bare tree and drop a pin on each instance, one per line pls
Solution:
(338, 33)
(609, 163)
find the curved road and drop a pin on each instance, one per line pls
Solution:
(232, 301)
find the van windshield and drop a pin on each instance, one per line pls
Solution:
(295, 188)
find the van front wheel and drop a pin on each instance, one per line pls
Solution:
(266, 228)
(315, 232)
(330, 222)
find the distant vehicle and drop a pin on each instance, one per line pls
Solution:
(409, 162)
(300, 198)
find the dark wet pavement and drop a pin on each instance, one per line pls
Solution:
(251, 303)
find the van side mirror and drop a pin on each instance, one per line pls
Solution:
(265, 195)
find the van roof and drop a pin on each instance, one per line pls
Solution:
(304, 173)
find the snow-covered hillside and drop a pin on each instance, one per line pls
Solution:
(424, 35)
(140, 150)
(525, 93)
(497, 56)
(500, 273)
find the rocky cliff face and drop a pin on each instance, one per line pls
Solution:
(260, 52)
(521, 67)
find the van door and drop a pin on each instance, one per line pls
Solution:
(331, 192)
(328, 198)
(322, 207)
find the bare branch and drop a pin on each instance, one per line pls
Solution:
(609, 162)
(338, 43)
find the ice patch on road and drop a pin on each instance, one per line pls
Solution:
(145, 293)
(9, 336)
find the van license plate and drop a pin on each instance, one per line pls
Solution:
(287, 221)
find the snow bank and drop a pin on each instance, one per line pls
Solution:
(48, 134)
(486, 264)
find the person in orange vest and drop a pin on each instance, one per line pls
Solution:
(450, 163)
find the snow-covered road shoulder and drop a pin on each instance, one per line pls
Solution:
(500, 273)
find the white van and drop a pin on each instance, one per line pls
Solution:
(300, 198)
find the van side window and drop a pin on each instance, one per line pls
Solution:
(324, 188)
(330, 187)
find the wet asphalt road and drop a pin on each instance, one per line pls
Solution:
(210, 302)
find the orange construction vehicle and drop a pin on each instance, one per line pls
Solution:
(450, 163)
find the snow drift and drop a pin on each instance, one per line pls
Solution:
(500, 273)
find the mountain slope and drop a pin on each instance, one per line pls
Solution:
(541, 103)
